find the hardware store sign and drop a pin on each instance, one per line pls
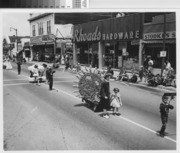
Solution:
(126, 28)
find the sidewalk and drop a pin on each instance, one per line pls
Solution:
(116, 72)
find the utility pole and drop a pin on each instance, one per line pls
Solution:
(16, 38)
(164, 42)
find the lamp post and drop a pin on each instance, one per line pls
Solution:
(16, 37)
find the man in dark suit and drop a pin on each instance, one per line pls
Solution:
(105, 95)
(50, 73)
(19, 67)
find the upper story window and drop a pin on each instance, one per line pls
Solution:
(33, 30)
(48, 27)
(40, 28)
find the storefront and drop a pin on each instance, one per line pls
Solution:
(108, 42)
(43, 47)
(27, 52)
(153, 40)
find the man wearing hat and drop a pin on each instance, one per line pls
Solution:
(164, 110)
(105, 95)
(49, 74)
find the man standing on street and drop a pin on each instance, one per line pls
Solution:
(105, 95)
(50, 73)
(19, 67)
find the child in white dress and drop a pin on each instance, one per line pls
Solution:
(116, 102)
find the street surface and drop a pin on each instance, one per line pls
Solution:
(38, 119)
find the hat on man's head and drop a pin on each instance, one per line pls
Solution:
(36, 66)
(116, 89)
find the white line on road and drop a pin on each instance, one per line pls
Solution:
(146, 128)
(15, 84)
(14, 79)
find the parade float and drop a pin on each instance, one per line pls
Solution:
(89, 87)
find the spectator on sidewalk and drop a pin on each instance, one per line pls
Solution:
(133, 77)
(78, 67)
(121, 74)
(167, 65)
(141, 73)
(96, 71)
(145, 64)
(110, 71)
(150, 65)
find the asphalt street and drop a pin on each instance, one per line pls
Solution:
(38, 119)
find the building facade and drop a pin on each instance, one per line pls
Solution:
(18, 47)
(125, 41)
(153, 39)
(47, 38)
(108, 42)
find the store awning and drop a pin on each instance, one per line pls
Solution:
(159, 41)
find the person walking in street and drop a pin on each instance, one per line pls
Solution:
(105, 95)
(36, 74)
(19, 67)
(50, 73)
(164, 110)
(116, 102)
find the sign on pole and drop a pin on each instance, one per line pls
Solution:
(162, 53)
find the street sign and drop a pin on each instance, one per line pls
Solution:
(162, 53)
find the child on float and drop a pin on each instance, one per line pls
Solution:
(116, 101)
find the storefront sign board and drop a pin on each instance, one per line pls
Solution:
(39, 40)
(159, 35)
(125, 28)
